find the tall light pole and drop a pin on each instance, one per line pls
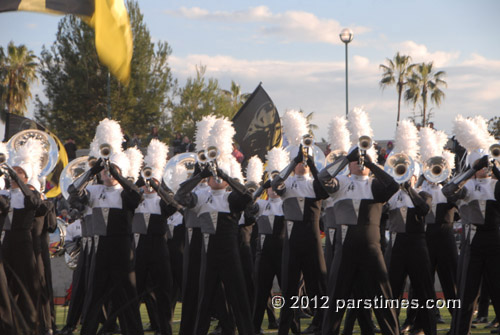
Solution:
(346, 36)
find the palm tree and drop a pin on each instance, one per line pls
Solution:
(425, 83)
(17, 72)
(396, 72)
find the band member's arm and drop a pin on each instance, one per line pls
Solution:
(454, 190)
(318, 188)
(131, 194)
(496, 171)
(384, 186)
(184, 195)
(50, 220)
(278, 183)
(420, 200)
(261, 189)
(4, 205)
(166, 195)
(79, 185)
(240, 197)
(31, 198)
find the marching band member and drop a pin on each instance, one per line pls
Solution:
(302, 249)
(271, 229)
(358, 258)
(439, 233)
(219, 212)
(478, 196)
(407, 253)
(150, 227)
(113, 205)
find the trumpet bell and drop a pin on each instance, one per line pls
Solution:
(147, 173)
(365, 143)
(307, 140)
(400, 166)
(436, 169)
(212, 153)
(105, 150)
(495, 151)
(202, 157)
(71, 172)
(50, 156)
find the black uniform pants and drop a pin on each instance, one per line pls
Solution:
(6, 323)
(221, 262)
(359, 262)
(302, 254)
(153, 269)
(409, 257)
(481, 260)
(113, 278)
(267, 265)
(176, 249)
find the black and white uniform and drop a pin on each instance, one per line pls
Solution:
(302, 248)
(480, 208)
(176, 240)
(6, 323)
(219, 212)
(152, 256)
(191, 268)
(271, 227)
(112, 275)
(441, 242)
(407, 253)
(358, 260)
(19, 257)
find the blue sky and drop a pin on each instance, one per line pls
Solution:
(294, 49)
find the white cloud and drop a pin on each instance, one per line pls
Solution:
(290, 25)
(420, 53)
(319, 87)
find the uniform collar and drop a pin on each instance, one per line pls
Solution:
(359, 178)
(149, 195)
(112, 188)
(217, 192)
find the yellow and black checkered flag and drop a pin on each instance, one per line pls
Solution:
(109, 18)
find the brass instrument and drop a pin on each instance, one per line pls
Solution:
(307, 143)
(364, 144)
(400, 166)
(494, 152)
(333, 156)
(436, 169)
(188, 159)
(72, 172)
(147, 173)
(202, 157)
(56, 239)
(212, 155)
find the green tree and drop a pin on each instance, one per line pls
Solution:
(17, 71)
(424, 86)
(199, 97)
(76, 82)
(396, 72)
(494, 126)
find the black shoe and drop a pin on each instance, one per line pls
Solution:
(417, 332)
(495, 331)
(492, 324)
(67, 330)
(272, 325)
(377, 330)
(483, 319)
(439, 319)
(311, 330)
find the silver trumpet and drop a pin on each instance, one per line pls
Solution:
(105, 152)
(212, 155)
(436, 169)
(202, 157)
(364, 144)
(307, 143)
(494, 152)
(400, 166)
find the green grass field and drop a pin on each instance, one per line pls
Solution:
(442, 328)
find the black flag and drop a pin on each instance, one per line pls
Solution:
(257, 125)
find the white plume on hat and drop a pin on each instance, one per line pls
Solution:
(359, 125)
(156, 158)
(338, 134)
(432, 143)
(94, 148)
(224, 162)
(221, 136)
(472, 133)
(450, 158)
(120, 159)
(28, 156)
(255, 170)
(203, 128)
(179, 175)
(109, 131)
(277, 159)
(236, 169)
(407, 139)
(135, 158)
(295, 126)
